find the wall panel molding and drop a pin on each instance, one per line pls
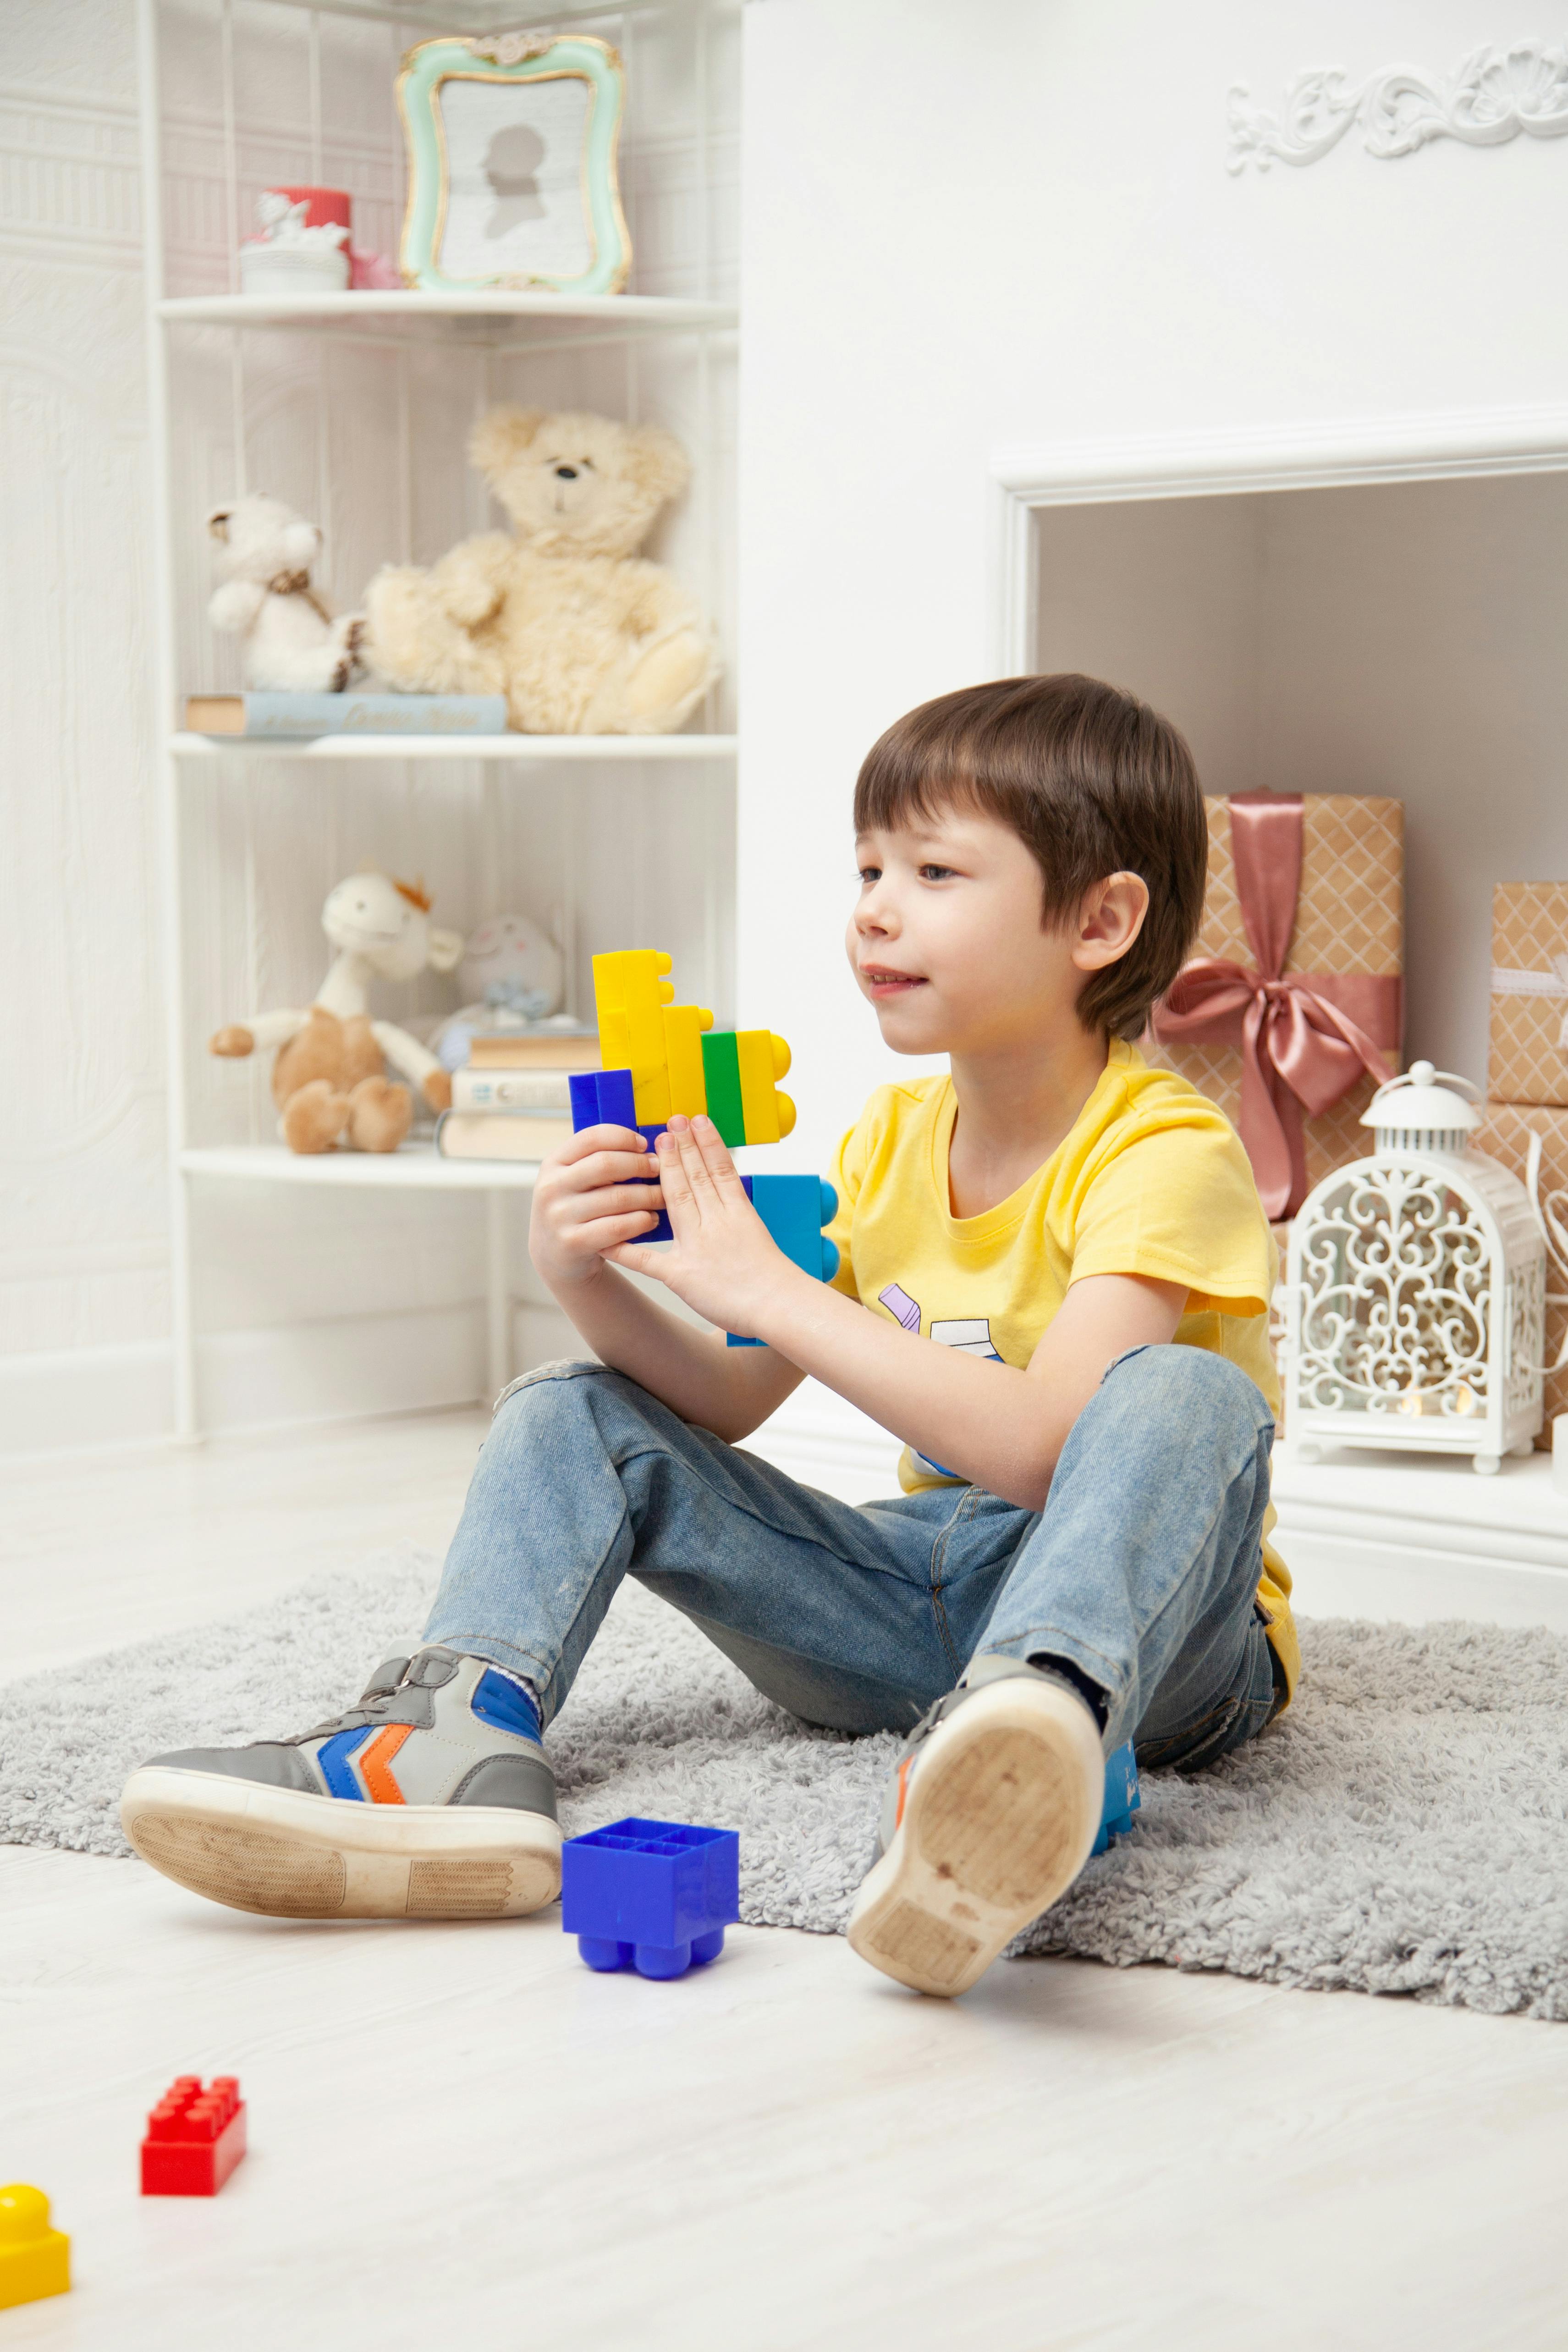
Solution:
(1494, 96)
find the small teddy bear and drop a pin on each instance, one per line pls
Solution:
(328, 1079)
(561, 615)
(291, 643)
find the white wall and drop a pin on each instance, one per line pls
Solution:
(1009, 224)
(1407, 639)
(308, 1305)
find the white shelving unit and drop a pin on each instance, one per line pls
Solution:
(414, 341)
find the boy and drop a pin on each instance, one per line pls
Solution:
(1078, 1553)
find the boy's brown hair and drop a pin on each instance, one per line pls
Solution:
(1092, 781)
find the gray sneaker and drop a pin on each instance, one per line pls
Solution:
(431, 1799)
(988, 1818)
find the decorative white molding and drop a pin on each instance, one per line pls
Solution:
(1494, 96)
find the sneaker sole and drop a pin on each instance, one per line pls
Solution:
(997, 1822)
(291, 1855)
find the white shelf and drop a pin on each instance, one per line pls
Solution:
(418, 1167)
(491, 317)
(454, 747)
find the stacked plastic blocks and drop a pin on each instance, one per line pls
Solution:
(1121, 1797)
(653, 1896)
(35, 2261)
(195, 2138)
(658, 1057)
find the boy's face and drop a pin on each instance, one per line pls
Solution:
(947, 942)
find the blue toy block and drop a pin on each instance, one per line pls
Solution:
(662, 1232)
(1121, 1797)
(794, 1209)
(653, 1896)
(608, 1098)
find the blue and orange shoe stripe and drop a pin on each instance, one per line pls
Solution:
(333, 1756)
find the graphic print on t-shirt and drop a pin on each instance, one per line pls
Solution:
(971, 1334)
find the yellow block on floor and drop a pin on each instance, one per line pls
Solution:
(35, 2261)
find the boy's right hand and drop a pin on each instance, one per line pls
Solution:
(581, 1208)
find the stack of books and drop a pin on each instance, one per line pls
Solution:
(510, 1100)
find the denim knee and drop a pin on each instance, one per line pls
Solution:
(1169, 1385)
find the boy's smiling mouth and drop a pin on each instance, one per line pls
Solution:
(881, 979)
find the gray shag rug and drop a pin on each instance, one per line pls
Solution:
(1403, 1829)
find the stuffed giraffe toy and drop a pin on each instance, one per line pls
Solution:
(328, 1079)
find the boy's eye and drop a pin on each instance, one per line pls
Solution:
(869, 874)
(937, 873)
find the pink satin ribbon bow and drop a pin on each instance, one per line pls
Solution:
(1304, 1042)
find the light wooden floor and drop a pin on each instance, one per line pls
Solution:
(459, 2134)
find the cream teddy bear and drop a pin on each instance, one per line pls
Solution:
(561, 615)
(290, 643)
(328, 1080)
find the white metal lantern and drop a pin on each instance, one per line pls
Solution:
(1415, 1290)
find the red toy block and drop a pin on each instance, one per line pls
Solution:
(195, 2138)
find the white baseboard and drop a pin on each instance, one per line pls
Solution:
(347, 1368)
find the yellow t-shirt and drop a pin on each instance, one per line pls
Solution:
(1152, 1179)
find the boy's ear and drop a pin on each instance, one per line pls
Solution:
(1110, 917)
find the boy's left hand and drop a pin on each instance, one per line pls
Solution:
(722, 1262)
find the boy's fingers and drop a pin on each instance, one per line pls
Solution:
(589, 1139)
(615, 1201)
(674, 1179)
(719, 1167)
(694, 1167)
(614, 1167)
(636, 1261)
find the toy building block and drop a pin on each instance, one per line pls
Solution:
(194, 2137)
(684, 1027)
(35, 2261)
(721, 1077)
(629, 996)
(1121, 1797)
(794, 1209)
(760, 1058)
(601, 1098)
(653, 1896)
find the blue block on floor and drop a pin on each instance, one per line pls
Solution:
(653, 1896)
(1121, 1797)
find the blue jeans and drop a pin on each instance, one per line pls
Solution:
(1141, 1572)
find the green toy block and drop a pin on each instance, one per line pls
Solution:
(721, 1077)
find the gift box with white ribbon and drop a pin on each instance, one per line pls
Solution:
(1529, 1056)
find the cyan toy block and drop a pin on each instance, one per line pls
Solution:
(794, 1209)
(721, 1077)
(653, 1896)
(760, 1058)
(1121, 1797)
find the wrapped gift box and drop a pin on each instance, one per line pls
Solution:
(1334, 933)
(1504, 1135)
(1528, 1062)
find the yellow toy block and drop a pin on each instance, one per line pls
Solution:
(629, 996)
(762, 1057)
(35, 2261)
(684, 1026)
